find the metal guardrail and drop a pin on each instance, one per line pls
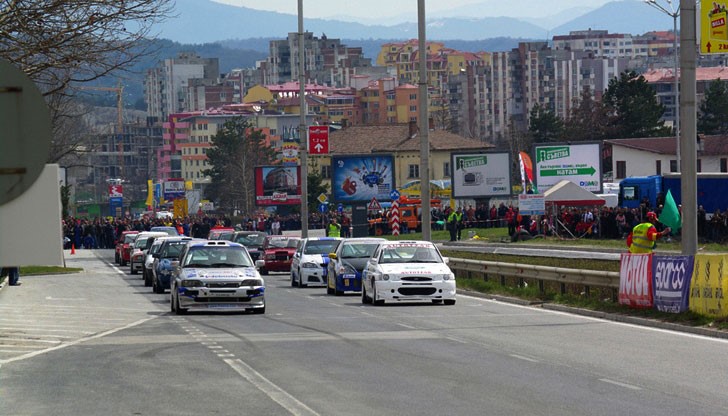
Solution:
(491, 269)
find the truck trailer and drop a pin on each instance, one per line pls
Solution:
(712, 190)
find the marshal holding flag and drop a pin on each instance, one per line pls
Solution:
(670, 215)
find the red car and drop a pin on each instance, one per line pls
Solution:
(124, 247)
(278, 252)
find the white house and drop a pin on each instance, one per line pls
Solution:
(657, 155)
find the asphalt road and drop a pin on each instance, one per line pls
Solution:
(99, 342)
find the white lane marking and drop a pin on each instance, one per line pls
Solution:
(461, 341)
(64, 299)
(608, 321)
(521, 357)
(617, 383)
(78, 341)
(225, 355)
(42, 341)
(407, 326)
(277, 394)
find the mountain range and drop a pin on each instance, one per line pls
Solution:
(204, 21)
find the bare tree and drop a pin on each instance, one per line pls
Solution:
(59, 42)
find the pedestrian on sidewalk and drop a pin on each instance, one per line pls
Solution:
(13, 274)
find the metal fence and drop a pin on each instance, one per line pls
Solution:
(491, 270)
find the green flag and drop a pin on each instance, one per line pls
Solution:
(670, 216)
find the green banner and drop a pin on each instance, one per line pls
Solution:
(569, 171)
(470, 161)
(551, 153)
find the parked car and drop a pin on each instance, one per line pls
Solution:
(311, 259)
(142, 243)
(122, 251)
(278, 251)
(216, 275)
(407, 271)
(166, 260)
(252, 241)
(148, 270)
(347, 263)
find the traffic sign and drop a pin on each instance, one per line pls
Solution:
(374, 205)
(322, 208)
(322, 198)
(340, 208)
(394, 195)
(318, 140)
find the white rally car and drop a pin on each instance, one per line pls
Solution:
(311, 260)
(407, 271)
(216, 275)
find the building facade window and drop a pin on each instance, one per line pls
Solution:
(446, 170)
(326, 172)
(673, 166)
(658, 167)
(621, 169)
(413, 171)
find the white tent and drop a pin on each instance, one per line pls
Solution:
(567, 193)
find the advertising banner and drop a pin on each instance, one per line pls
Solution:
(578, 163)
(116, 191)
(713, 27)
(635, 280)
(289, 153)
(361, 178)
(277, 185)
(671, 282)
(477, 175)
(174, 189)
(531, 204)
(116, 205)
(709, 285)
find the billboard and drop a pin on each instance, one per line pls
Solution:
(174, 189)
(361, 178)
(476, 175)
(713, 27)
(277, 185)
(578, 163)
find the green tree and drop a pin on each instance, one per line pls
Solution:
(587, 120)
(237, 149)
(316, 185)
(713, 114)
(65, 200)
(544, 125)
(633, 108)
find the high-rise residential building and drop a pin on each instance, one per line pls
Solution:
(166, 85)
(326, 61)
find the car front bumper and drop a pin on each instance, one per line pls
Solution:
(223, 299)
(407, 291)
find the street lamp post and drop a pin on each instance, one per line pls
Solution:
(674, 13)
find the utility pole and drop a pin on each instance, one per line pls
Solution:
(302, 130)
(688, 131)
(424, 125)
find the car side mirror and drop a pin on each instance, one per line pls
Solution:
(259, 264)
(332, 256)
(446, 260)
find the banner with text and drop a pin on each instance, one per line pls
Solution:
(709, 285)
(671, 282)
(578, 163)
(635, 280)
(277, 185)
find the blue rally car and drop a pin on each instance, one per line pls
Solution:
(347, 262)
(216, 275)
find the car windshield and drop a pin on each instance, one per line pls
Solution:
(173, 249)
(358, 250)
(171, 231)
(410, 253)
(278, 242)
(154, 249)
(141, 243)
(251, 240)
(217, 257)
(321, 246)
(130, 238)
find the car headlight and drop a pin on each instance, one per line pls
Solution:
(251, 282)
(448, 276)
(309, 265)
(191, 283)
(345, 269)
(385, 277)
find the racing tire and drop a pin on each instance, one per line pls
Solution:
(148, 278)
(300, 281)
(116, 258)
(449, 301)
(131, 268)
(264, 272)
(177, 309)
(338, 292)
(156, 287)
(375, 301)
(364, 298)
(122, 263)
(293, 280)
(329, 291)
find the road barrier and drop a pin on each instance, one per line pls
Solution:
(490, 269)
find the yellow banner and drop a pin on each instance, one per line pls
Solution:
(709, 285)
(713, 27)
(180, 208)
(150, 193)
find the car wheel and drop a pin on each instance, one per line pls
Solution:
(131, 268)
(449, 301)
(263, 271)
(364, 298)
(300, 280)
(116, 258)
(122, 263)
(171, 301)
(378, 302)
(293, 280)
(157, 287)
(177, 309)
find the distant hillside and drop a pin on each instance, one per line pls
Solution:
(620, 17)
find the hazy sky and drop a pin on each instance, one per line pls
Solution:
(398, 9)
